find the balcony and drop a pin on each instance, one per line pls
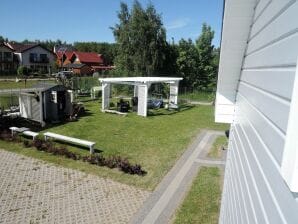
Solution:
(6, 60)
(39, 60)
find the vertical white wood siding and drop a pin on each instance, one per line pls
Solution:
(254, 189)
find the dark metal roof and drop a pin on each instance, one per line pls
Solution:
(18, 47)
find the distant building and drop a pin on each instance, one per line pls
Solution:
(8, 62)
(93, 62)
(79, 69)
(33, 56)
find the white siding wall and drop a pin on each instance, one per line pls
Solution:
(238, 17)
(254, 189)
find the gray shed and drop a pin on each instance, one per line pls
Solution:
(47, 104)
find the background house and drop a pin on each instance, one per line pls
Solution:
(79, 69)
(8, 63)
(257, 93)
(34, 56)
(82, 63)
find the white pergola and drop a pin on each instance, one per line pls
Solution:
(141, 86)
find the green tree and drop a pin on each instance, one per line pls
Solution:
(207, 70)
(141, 40)
(170, 67)
(22, 71)
(2, 39)
(187, 63)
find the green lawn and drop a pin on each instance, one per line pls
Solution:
(21, 84)
(216, 149)
(202, 203)
(155, 142)
(198, 96)
(8, 100)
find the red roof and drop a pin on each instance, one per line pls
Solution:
(68, 54)
(88, 57)
(59, 54)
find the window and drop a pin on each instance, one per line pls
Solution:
(7, 56)
(43, 58)
(0, 56)
(54, 96)
(33, 57)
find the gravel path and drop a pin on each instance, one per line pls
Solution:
(33, 191)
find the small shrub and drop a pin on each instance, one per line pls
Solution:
(38, 144)
(26, 144)
(49, 147)
(126, 167)
(113, 162)
(6, 136)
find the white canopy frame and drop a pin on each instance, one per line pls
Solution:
(141, 87)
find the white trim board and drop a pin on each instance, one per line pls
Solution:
(289, 165)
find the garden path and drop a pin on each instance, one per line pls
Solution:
(163, 202)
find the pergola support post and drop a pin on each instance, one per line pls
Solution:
(106, 91)
(174, 92)
(142, 99)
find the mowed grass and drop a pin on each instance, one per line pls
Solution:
(21, 84)
(155, 142)
(202, 203)
(198, 96)
(216, 149)
(7, 101)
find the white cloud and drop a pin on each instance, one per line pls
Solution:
(177, 24)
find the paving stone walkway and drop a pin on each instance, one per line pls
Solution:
(32, 191)
(163, 202)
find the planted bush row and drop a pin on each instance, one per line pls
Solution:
(96, 159)
(115, 162)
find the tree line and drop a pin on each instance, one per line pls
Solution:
(141, 49)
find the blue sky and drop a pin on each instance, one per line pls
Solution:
(89, 20)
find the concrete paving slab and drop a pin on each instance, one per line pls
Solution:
(33, 191)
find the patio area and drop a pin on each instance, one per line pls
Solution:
(33, 191)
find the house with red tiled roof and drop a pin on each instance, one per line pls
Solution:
(63, 58)
(92, 62)
(8, 62)
(33, 56)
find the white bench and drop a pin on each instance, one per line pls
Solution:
(71, 140)
(24, 131)
(30, 133)
(19, 130)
